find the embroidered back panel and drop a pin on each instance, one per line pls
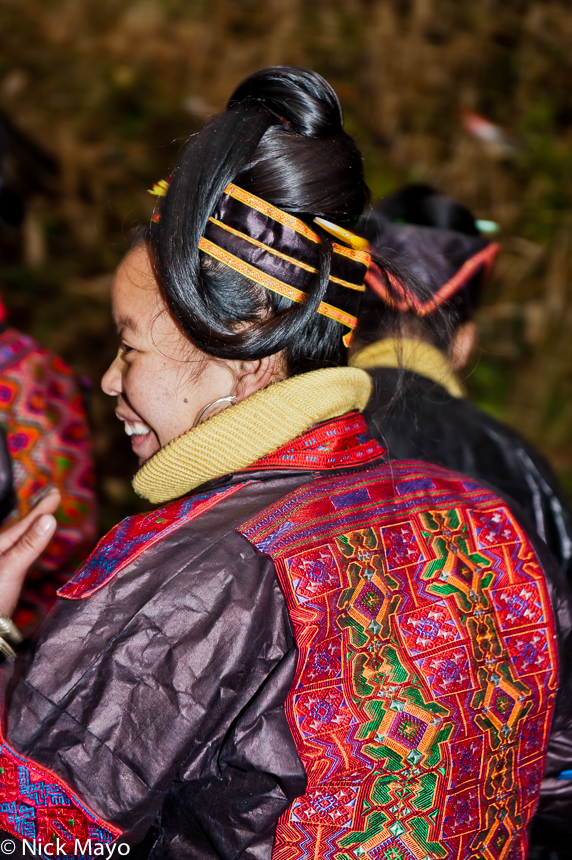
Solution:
(427, 670)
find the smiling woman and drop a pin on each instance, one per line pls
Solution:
(161, 380)
(306, 651)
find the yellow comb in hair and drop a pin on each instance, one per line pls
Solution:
(160, 188)
(355, 242)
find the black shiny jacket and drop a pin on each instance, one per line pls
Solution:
(160, 699)
(422, 421)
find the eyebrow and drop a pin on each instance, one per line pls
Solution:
(126, 323)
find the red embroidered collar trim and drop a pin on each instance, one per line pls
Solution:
(341, 443)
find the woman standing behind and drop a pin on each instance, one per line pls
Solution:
(47, 432)
(415, 351)
(303, 652)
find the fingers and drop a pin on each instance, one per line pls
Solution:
(20, 546)
(49, 501)
(47, 505)
(33, 541)
(16, 560)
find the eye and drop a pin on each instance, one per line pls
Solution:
(125, 348)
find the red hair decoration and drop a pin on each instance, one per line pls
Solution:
(401, 299)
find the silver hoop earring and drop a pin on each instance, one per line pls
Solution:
(228, 399)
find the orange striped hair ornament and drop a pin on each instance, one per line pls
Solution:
(281, 252)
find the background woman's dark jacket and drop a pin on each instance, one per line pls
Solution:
(417, 419)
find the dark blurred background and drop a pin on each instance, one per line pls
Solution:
(473, 97)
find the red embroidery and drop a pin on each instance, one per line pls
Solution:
(342, 442)
(127, 540)
(427, 668)
(36, 804)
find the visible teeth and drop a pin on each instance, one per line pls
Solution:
(135, 429)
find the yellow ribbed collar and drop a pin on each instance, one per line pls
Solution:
(408, 354)
(242, 434)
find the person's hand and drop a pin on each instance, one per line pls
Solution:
(20, 546)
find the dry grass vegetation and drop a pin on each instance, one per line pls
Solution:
(110, 88)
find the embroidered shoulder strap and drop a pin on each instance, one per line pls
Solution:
(133, 535)
(427, 671)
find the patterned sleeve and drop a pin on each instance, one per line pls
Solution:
(48, 438)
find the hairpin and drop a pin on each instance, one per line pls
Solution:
(358, 243)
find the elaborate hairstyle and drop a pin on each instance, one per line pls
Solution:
(436, 238)
(280, 140)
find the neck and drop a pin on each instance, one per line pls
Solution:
(414, 355)
(241, 435)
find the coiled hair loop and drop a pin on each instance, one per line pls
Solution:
(282, 139)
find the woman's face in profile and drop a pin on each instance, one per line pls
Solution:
(160, 379)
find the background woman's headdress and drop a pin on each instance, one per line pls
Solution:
(452, 265)
(437, 239)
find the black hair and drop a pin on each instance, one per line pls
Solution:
(282, 139)
(423, 205)
(434, 235)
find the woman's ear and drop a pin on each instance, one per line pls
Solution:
(253, 376)
(461, 349)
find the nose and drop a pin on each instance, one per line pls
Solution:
(111, 381)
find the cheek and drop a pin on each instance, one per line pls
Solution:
(168, 395)
(139, 381)
(188, 392)
(150, 390)
(169, 399)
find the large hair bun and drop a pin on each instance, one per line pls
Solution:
(296, 97)
(282, 140)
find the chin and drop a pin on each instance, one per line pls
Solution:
(143, 458)
(145, 447)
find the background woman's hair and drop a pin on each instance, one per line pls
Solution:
(423, 205)
(282, 139)
(417, 205)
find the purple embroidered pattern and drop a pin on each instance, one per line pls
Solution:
(133, 535)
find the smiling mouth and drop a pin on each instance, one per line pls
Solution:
(136, 429)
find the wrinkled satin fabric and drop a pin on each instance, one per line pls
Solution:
(162, 694)
(423, 421)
